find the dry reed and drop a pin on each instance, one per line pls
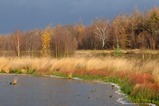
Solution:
(51, 65)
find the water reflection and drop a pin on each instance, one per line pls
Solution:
(48, 91)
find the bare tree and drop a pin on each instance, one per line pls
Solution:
(16, 41)
(102, 31)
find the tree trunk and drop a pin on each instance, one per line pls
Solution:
(18, 48)
(103, 41)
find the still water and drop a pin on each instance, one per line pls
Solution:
(51, 91)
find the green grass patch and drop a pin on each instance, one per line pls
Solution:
(117, 51)
(36, 74)
(87, 77)
(18, 71)
(2, 71)
(30, 71)
(124, 83)
(145, 95)
(60, 74)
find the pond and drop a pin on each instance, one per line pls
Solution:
(47, 91)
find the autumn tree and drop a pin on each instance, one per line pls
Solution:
(153, 27)
(80, 33)
(142, 39)
(133, 24)
(143, 35)
(63, 42)
(36, 44)
(90, 40)
(46, 38)
(28, 41)
(120, 24)
(136, 30)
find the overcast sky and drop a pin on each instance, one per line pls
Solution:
(29, 14)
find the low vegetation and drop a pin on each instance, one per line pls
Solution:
(138, 79)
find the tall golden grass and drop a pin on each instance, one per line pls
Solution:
(51, 65)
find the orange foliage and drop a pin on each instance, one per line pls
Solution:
(141, 78)
(80, 72)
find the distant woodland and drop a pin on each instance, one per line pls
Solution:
(138, 30)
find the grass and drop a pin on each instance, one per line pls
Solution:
(18, 71)
(99, 65)
(138, 79)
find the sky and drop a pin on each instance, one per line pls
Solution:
(30, 14)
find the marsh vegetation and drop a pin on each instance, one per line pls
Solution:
(123, 50)
(137, 78)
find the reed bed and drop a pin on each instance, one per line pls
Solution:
(109, 64)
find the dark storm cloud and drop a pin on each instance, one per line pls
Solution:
(29, 14)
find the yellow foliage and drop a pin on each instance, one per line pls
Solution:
(15, 80)
(70, 75)
(46, 38)
(24, 71)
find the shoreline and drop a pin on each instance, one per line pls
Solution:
(120, 100)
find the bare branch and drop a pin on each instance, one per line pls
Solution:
(103, 31)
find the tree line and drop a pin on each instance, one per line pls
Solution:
(138, 30)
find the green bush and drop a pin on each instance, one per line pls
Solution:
(117, 51)
(18, 71)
